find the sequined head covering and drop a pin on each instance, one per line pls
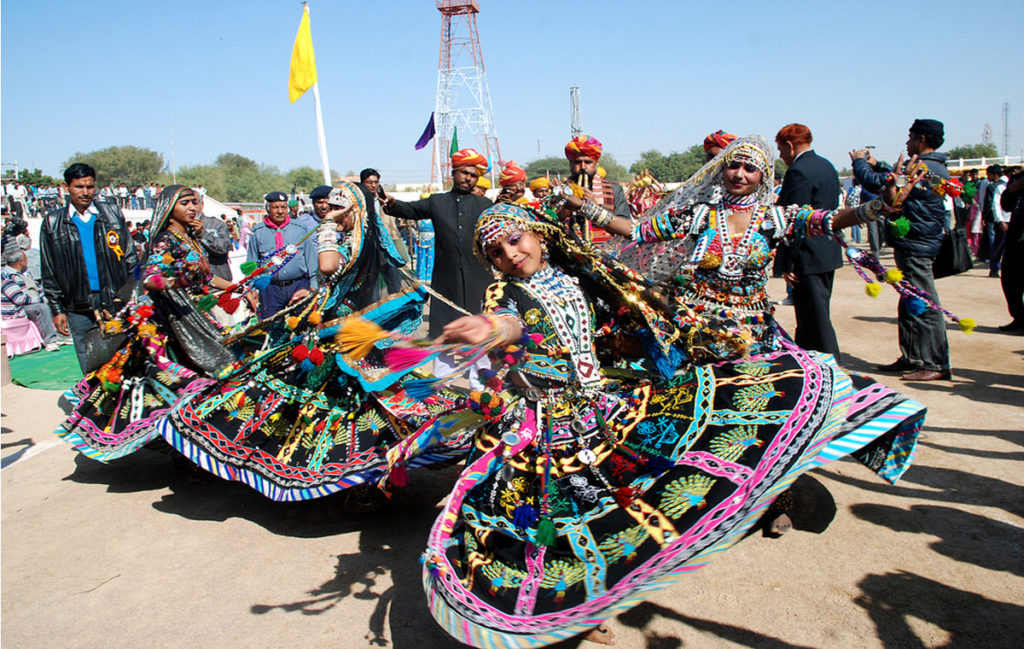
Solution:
(705, 186)
(539, 183)
(583, 145)
(511, 174)
(501, 219)
(719, 138)
(165, 203)
(468, 158)
(349, 194)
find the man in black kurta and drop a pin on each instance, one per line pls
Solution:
(810, 263)
(458, 275)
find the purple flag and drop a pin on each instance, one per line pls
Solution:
(428, 134)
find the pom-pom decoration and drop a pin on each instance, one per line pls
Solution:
(873, 289)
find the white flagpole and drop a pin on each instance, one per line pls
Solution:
(321, 140)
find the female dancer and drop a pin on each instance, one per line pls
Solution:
(590, 486)
(297, 422)
(170, 343)
(721, 230)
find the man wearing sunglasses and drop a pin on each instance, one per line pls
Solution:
(809, 263)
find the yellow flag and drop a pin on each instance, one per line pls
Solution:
(302, 74)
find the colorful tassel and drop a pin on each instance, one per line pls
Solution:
(916, 306)
(900, 227)
(546, 535)
(315, 317)
(656, 465)
(206, 303)
(525, 516)
(399, 475)
(293, 321)
(625, 496)
(261, 283)
(872, 289)
(357, 337)
(967, 325)
(421, 389)
(300, 353)
(893, 276)
(306, 365)
(248, 266)
(404, 358)
(316, 357)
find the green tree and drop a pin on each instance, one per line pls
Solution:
(130, 165)
(554, 165)
(211, 177)
(673, 168)
(968, 151)
(613, 170)
(35, 177)
(305, 178)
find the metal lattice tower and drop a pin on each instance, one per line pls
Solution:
(462, 95)
(575, 119)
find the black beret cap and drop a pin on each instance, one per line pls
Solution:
(928, 127)
(323, 191)
(276, 197)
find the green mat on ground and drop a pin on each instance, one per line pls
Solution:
(43, 370)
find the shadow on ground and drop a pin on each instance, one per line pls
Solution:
(970, 620)
(390, 542)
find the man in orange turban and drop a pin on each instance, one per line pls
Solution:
(583, 152)
(513, 183)
(457, 274)
(715, 142)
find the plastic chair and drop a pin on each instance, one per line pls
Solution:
(22, 336)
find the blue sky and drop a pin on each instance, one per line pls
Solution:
(79, 76)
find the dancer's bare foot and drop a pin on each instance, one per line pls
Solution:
(601, 635)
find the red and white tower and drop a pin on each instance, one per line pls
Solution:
(463, 99)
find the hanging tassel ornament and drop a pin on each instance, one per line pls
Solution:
(872, 289)
(399, 475)
(625, 496)
(525, 516)
(357, 337)
(546, 535)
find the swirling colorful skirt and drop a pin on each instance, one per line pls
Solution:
(566, 516)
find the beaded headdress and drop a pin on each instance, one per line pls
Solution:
(349, 193)
(502, 218)
(705, 186)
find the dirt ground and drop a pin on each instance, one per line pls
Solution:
(137, 554)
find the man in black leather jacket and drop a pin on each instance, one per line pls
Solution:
(83, 273)
(924, 348)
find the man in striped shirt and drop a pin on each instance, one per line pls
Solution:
(21, 297)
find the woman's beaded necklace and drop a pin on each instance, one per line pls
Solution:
(735, 251)
(562, 299)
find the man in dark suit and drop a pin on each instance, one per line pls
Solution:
(458, 275)
(809, 263)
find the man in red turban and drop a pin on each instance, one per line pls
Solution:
(513, 183)
(715, 142)
(583, 152)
